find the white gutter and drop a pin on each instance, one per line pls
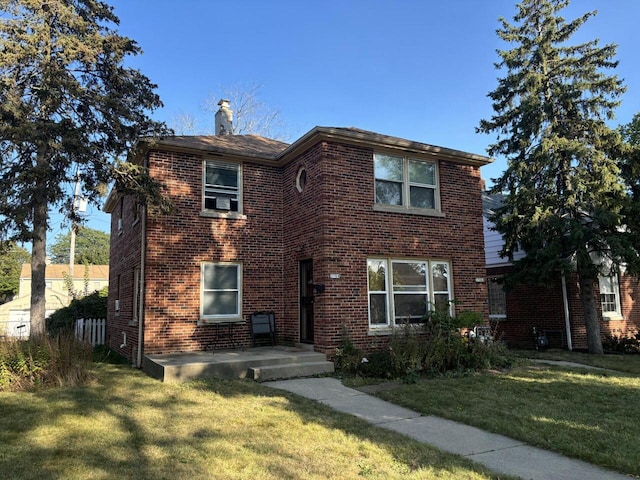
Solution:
(143, 228)
(567, 320)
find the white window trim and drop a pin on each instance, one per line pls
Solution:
(209, 212)
(379, 292)
(390, 324)
(136, 295)
(615, 283)
(406, 189)
(208, 319)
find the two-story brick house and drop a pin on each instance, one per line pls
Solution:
(342, 230)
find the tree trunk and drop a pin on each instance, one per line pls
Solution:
(587, 297)
(39, 254)
(38, 266)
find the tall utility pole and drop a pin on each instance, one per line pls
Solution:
(77, 206)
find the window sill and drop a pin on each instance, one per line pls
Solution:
(219, 321)
(380, 332)
(612, 316)
(425, 212)
(228, 215)
(389, 330)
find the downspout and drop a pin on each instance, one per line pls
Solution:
(143, 233)
(567, 320)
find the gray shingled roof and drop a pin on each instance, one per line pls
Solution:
(490, 203)
(241, 145)
(253, 146)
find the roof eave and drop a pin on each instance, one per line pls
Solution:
(363, 138)
(152, 144)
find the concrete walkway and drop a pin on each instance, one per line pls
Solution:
(501, 454)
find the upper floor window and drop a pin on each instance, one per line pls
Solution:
(222, 186)
(610, 296)
(405, 182)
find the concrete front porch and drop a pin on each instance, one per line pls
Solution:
(260, 363)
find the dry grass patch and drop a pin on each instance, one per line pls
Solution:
(126, 425)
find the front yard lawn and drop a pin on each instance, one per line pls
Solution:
(128, 426)
(586, 414)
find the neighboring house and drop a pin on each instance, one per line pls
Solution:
(343, 231)
(554, 309)
(15, 316)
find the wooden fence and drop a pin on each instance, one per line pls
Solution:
(91, 330)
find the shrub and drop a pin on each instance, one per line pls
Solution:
(435, 347)
(43, 362)
(407, 351)
(348, 358)
(91, 306)
(622, 344)
(377, 364)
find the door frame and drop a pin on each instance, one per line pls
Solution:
(306, 300)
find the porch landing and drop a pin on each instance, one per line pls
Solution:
(260, 363)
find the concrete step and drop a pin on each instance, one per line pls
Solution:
(181, 367)
(291, 370)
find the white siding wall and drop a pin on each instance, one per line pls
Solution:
(493, 244)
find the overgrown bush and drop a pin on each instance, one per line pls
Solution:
(43, 361)
(435, 347)
(93, 305)
(348, 358)
(622, 344)
(377, 364)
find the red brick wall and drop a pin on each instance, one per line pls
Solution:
(530, 306)
(178, 244)
(332, 222)
(125, 257)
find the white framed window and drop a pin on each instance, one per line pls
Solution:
(221, 189)
(497, 298)
(610, 296)
(378, 299)
(121, 217)
(405, 290)
(405, 182)
(410, 287)
(136, 294)
(301, 179)
(221, 291)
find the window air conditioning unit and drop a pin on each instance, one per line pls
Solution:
(223, 203)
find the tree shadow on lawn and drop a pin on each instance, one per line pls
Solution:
(127, 425)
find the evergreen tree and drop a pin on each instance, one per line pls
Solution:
(67, 105)
(565, 200)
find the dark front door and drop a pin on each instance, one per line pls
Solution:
(306, 301)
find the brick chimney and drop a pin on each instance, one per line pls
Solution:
(224, 119)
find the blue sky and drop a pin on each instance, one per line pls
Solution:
(417, 69)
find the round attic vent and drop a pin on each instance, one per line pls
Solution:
(301, 179)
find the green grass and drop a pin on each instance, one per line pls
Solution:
(586, 414)
(127, 426)
(621, 363)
